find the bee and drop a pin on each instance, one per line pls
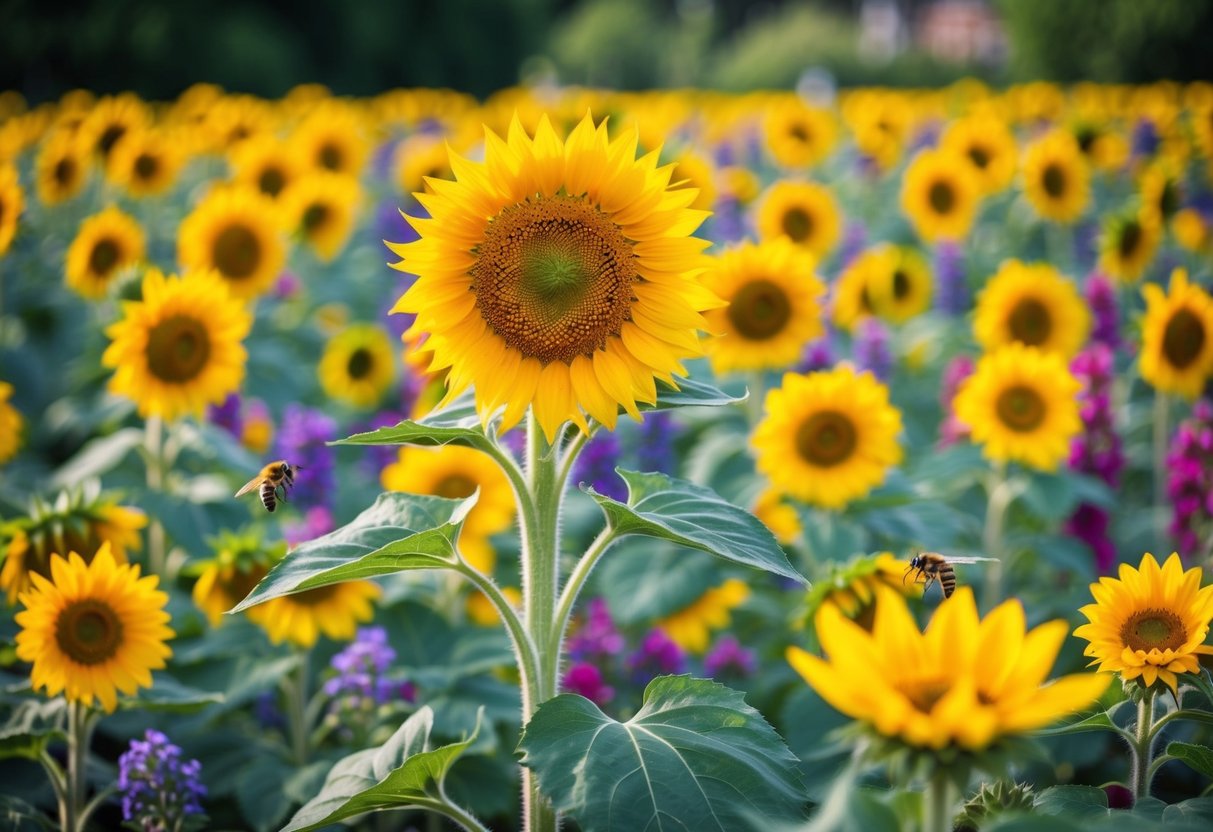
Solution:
(277, 475)
(932, 566)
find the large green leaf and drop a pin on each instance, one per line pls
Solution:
(690, 393)
(647, 581)
(32, 725)
(1073, 801)
(170, 696)
(694, 757)
(1196, 757)
(398, 532)
(670, 509)
(401, 772)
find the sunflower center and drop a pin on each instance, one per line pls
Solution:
(64, 172)
(926, 693)
(271, 181)
(237, 253)
(942, 197)
(553, 278)
(240, 583)
(146, 166)
(104, 256)
(455, 487)
(799, 132)
(1153, 629)
(110, 137)
(826, 439)
(315, 217)
(1183, 339)
(1030, 322)
(330, 156)
(319, 595)
(1130, 238)
(979, 156)
(1053, 180)
(360, 364)
(88, 631)
(901, 285)
(178, 349)
(760, 310)
(797, 224)
(1020, 408)
(1169, 199)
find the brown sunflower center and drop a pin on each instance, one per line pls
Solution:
(239, 584)
(314, 597)
(360, 364)
(1153, 629)
(109, 138)
(178, 349)
(455, 486)
(88, 631)
(800, 133)
(826, 438)
(1020, 408)
(1030, 322)
(146, 166)
(942, 197)
(237, 252)
(64, 172)
(271, 181)
(797, 224)
(760, 310)
(553, 278)
(104, 256)
(926, 693)
(901, 284)
(330, 156)
(315, 217)
(1053, 180)
(979, 156)
(1169, 200)
(1183, 339)
(1130, 239)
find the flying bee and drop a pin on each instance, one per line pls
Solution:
(932, 566)
(271, 478)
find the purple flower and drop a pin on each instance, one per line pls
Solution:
(728, 221)
(1190, 481)
(227, 415)
(159, 789)
(957, 370)
(854, 241)
(596, 466)
(951, 287)
(359, 684)
(728, 659)
(818, 354)
(597, 637)
(654, 445)
(658, 655)
(1101, 298)
(1096, 450)
(586, 680)
(301, 441)
(286, 286)
(870, 348)
(1145, 139)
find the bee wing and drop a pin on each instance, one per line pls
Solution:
(250, 485)
(969, 560)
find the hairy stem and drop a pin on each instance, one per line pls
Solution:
(1143, 746)
(937, 804)
(297, 719)
(1001, 493)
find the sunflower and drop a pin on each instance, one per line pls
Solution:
(233, 119)
(145, 162)
(238, 565)
(851, 588)
(804, 212)
(1056, 179)
(111, 118)
(331, 139)
(1191, 229)
(964, 683)
(1128, 244)
(11, 425)
(335, 610)
(773, 310)
(1150, 623)
(691, 170)
(778, 516)
(891, 281)
(12, 202)
(358, 365)
(106, 244)
(940, 195)
(798, 135)
(418, 158)
(1177, 337)
(558, 274)
(321, 206)
(62, 167)
(179, 348)
(1021, 405)
(828, 437)
(1162, 192)
(93, 629)
(988, 145)
(266, 164)
(691, 627)
(1031, 304)
(234, 231)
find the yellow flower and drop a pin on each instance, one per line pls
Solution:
(851, 587)
(106, 244)
(61, 168)
(481, 610)
(145, 162)
(691, 170)
(180, 347)
(891, 281)
(1150, 623)
(12, 202)
(332, 139)
(418, 158)
(258, 431)
(1161, 191)
(940, 195)
(777, 516)
(358, 365)
(963, 683)
(803, 212)
(321, 207)
(335, 610)
(1021, 405)
(11, 425)
(234, 231)
(691, 627)
(558, 274)
(798, 135)
(266, 164)
(1128, 244)
(828, 437)
(239, 564)
(986, 142)
(111, 118)
(1191, 229)
(1177, 336)
(1031, 304)
(94, 629)
(1056, 180)
(774, 306)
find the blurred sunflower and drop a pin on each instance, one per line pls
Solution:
(11, 425)
(145, 162)
(828, 437)
(335, 610)
(418, 158)
(1191, 229)
(988, 145)
(1177, 336)
(106, 244)
(480, 609)
(804, 212)
(331, 139)
(1162, 193)
(891, 281)
(1128, 244)
(234, 231)
(233, 119)
(1056, 180)
(778, 516)
(940, 195)
(691, 170)
(111, 118)
(62, 167)
(12, 203)
(266, 164)
(321, 208)
(851, 588)
(798, 135)
(559, 275)
(94, 629)
(773, 310)
(180, 347)
(1031, 304)
(1021, 405)
(358, 365)
(238, 564)
(691, 627)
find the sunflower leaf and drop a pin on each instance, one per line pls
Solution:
(31, 726)
(399, 532)
(1196, 757)
(691, 515)
(690, 393)
(695, 756)
(1073, 801)
(403, 771)
(456, 425)
(169, 695)
(1095, 722)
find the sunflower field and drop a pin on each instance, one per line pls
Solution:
(608, 461)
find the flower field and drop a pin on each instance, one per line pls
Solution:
(608, 461)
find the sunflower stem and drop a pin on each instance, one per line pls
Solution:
(79, 735)
(1162, 412)
(577, 578)
(756, 392)
(157, 553)
(1000, 495)
(1143, 746)
(296, 692)
(937, 804)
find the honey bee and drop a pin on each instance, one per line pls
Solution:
(932, 566)
(277, 475)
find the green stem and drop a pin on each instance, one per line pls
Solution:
(1143, 745)
(79, 736)
(297, 719)
(1162, 412)
(524, 647)
(569, 459)
(456, 813)
(937, 804)
(1000, 495)
(577, 578)
(757, 392)
(157, 547)
(58, 783)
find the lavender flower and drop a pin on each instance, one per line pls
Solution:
(1145, 139)
(287, 286)
(1190, 483)
(1096, 450)
(1101, 298)
(160, 791)
(586, 679)
(654, 446)
(360, 684)
(227, 415)
(597, 637)
(596, 466)
(870, 349)
(657, 655)
(951, 288)
(728, 221)
(301, 441)
(818, 355)
(728, 659)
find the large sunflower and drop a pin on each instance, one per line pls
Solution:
(106, 244)
(988, 145)
(12, 202)
(798, 135)
(1150, 623)
(1056, 179)
(1032, 304)
(320, 207)
(1128, 244)
(1021, 405)
(828, 437)
(774, 306)
(335, 610)
(559, 275)
(804, 212)
(11, 424)
(62, 167)
(234, 231)
(93, 629)
(180, 347)
(1177, 336)
(146, 162)
(358, 365)
(940, 195)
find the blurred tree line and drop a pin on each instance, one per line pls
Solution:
(360, 47)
